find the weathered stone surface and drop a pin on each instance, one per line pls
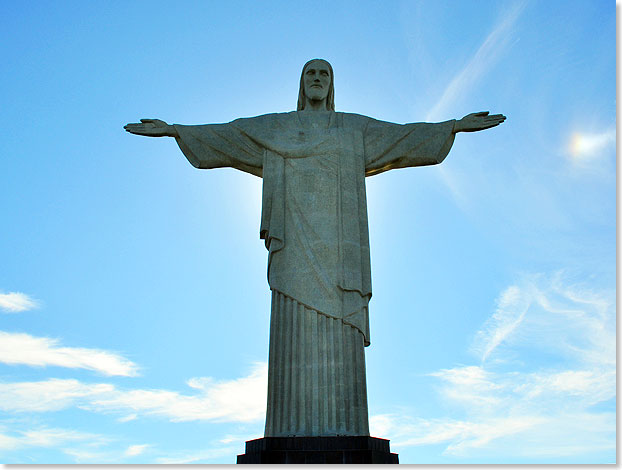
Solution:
(316, 374)
(314, 223)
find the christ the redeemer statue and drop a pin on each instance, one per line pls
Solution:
(313, 162)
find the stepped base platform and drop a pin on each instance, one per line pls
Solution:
(316, 450)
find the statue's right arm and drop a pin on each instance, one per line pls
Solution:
(209, 146)
(151, 128)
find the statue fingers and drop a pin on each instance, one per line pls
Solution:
(494, 123)
(134, 127)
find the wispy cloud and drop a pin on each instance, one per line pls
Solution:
(493, 47)
(239, 400)
(407, 431)
(538, 392)
(198, 456)
(112, 455)
(48, 395)
(136, 453)
(515, 424)
(533, 437)
(490, 51)
(16, 302)
(88, 455)
(135, 450)
(125, 419)
(512, 405)
(229, 438)
(24, 349)
(100, 453)
(105, 451)
(43, 437)
(512, 306)
(543, 313)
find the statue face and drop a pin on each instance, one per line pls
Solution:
(316, 80)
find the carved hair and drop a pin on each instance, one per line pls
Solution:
(330, 98)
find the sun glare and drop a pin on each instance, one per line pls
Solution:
(584, 146)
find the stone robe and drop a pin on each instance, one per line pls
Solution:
(314, 223)
(314, 214)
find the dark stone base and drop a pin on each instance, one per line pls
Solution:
(330, 449)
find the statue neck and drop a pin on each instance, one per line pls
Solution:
(315, 105)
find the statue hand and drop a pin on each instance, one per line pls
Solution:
(478, 122)
(151, 128)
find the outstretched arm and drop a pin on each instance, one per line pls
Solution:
(151, 128)
(478, 122)
(206, 146)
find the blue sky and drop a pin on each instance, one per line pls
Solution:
(134, 307)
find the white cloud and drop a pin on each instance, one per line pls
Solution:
(49, 395)
(104, 451)
(239, 400)
(9, 442)
(53, 437)
(135, 450)
(198, 456)
(125, 419)
(88, 455)
(527, 436)
(17, 302)
(489, 52)
(407, 431)
(97, 453)
(570, 322)
(531, 393)
(511, 308)
(43, 437)
(22, 348)
(229, 438)
(511, 405)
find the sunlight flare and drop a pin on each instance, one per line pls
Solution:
(586, 147)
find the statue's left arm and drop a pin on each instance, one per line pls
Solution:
(478, 122)
(389, 146)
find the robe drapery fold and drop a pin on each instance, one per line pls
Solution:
(314, 223)
(316, 374)
(314, 209)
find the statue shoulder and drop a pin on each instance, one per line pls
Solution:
(271, 119)
(354, 120)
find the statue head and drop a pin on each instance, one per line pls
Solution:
(317, 83)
